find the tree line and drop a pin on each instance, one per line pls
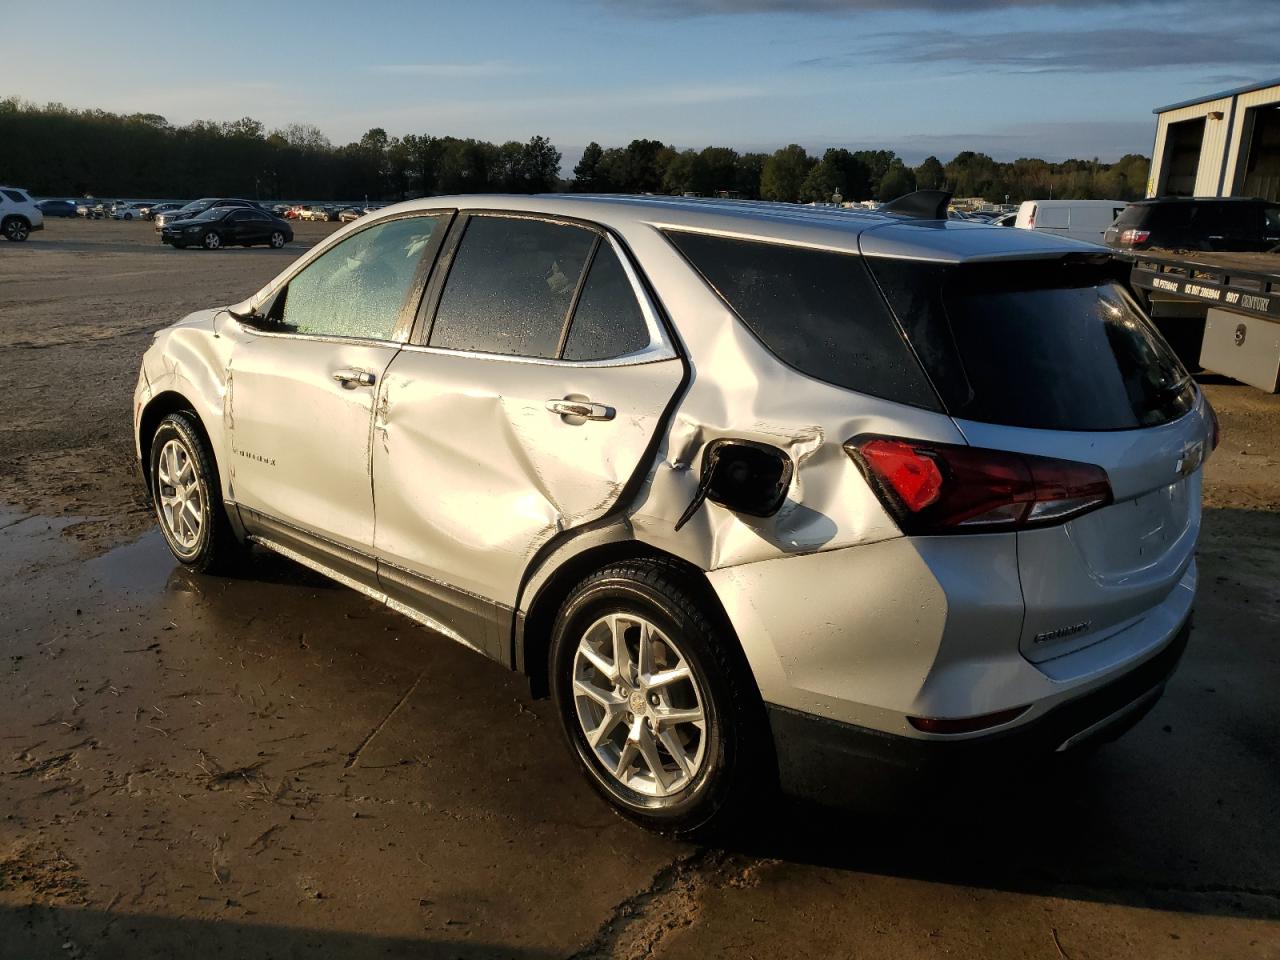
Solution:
(54, 150)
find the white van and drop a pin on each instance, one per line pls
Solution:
(1078, 219)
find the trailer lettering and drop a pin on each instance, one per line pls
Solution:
(1205, 293)
(1251, 302)
(1233, 296)
(1162, 284)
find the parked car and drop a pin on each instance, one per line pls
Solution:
(19, 214)
(294, 212)
(1178, 223)
(982, 548)
(318, 213)
(158, 208)
(57, 208)
(1078, 219)
(348, 214)
(133, 210)
(228, 227)
(196, 207)
(1004, 219)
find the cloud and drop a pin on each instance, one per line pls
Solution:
(1059, 51)
(695, 8)
(492, 68)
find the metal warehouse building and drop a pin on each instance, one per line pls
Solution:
(1223, 145)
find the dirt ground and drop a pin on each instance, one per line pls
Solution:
(273, 766)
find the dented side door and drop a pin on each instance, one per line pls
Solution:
(479, 459)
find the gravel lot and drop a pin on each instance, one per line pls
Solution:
(273, 766)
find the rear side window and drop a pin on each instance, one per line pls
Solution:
(511, 286)
(607, 322)
(17, 196)
(1055, 345)
(816, 311)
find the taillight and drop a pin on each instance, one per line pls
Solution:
(946, 488)
(1131, 237)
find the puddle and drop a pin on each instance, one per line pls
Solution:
(143, 566)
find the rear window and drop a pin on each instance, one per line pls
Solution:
(1055, 345)
(816, 311)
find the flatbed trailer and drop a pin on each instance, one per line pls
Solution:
(1220, 310)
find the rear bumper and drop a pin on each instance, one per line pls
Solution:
(826, 759)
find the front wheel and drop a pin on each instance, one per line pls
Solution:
(277, 240)
(188, 496)
(656, 700)
(17, 229)
(212, 241)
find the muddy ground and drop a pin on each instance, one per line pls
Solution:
(273, 766)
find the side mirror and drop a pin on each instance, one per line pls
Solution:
(743, 476)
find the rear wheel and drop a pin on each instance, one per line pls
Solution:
(212, 241)
(656, 702)
(188, 496)
(277, 240)
(16, 229)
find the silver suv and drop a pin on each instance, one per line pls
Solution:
(752, 491)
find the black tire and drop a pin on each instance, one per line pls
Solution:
(128, 216)
(212, 241)
(737, 769)
(215, 548)
(277, 240)
(16, 229)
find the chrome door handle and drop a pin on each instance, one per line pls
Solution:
(584, 409)
(354, 378)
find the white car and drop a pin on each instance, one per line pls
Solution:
(19, 214)
(1084, 220)
(754, 491)
(137, 210)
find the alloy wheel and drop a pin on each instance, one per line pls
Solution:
(181, 505)
(212, 241)
(277, 240)
(16, 230)
(639, 705)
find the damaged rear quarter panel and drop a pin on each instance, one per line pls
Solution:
(739, 390)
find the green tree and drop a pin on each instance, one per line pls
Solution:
(586, 175)
(784, 173)
(930, 175)
(896, 181)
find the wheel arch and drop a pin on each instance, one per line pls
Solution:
(159, 407)
(550, 585)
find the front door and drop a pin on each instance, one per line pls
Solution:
(303, 384)
(523, 412)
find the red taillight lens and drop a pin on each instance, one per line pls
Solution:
(945, 488)
(1133, 237)
(965, 724)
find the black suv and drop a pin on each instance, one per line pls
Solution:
(1177, 223)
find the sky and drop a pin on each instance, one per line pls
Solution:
(1006, 77)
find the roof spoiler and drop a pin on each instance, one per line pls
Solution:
(921, 205)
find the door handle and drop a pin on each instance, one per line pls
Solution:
(354, 378)
(583, 409)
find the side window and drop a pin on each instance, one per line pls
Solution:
(359, 287)
(819, 312)
(1054, 218)
(510, 287)
(607, 322)
(15, 195)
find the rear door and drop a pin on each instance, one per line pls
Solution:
(524, 406)
(1056, 359)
